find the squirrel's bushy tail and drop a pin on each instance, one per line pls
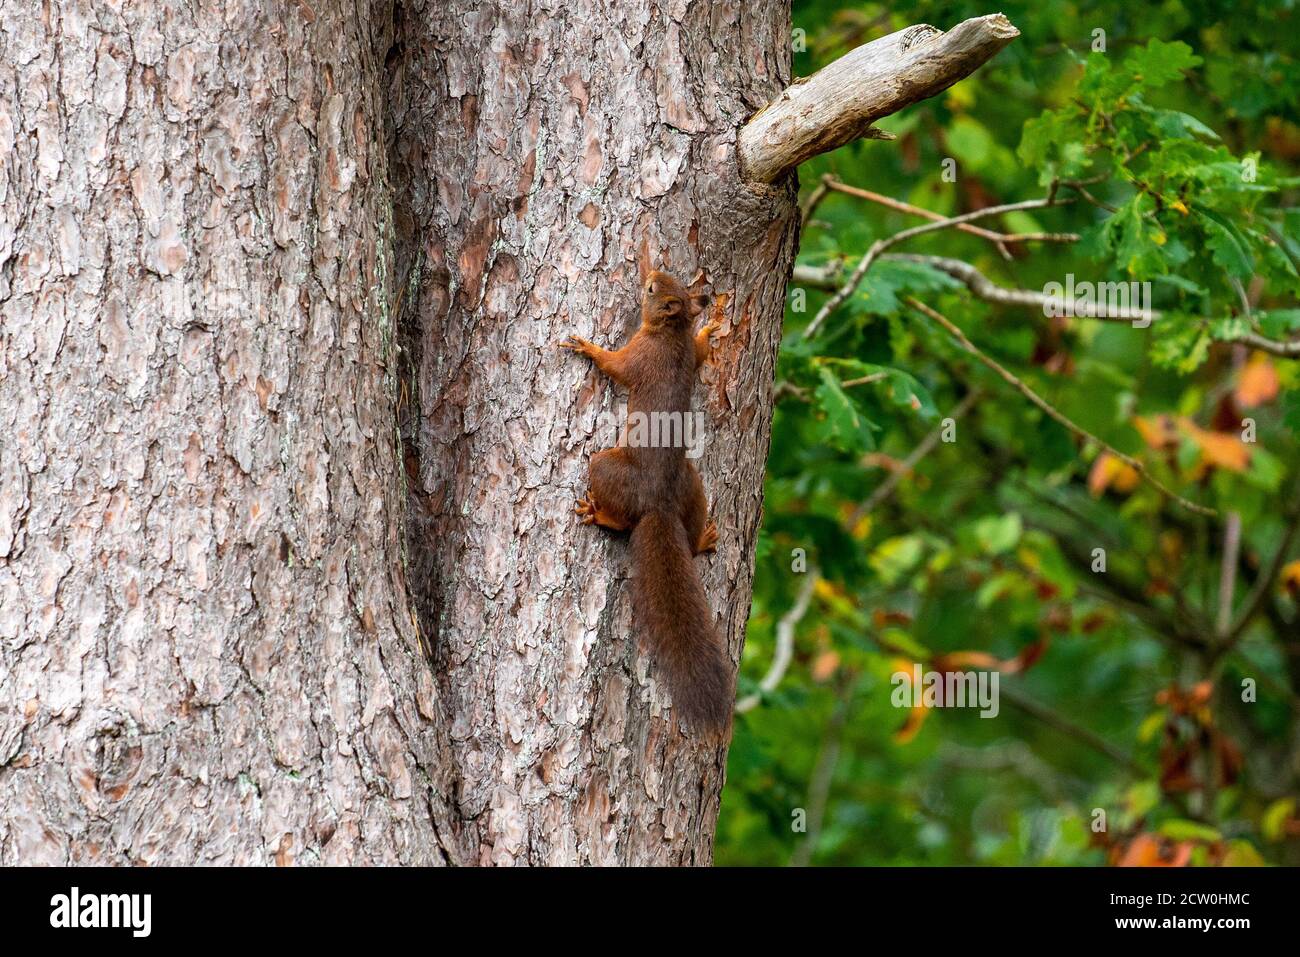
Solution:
(671, 611)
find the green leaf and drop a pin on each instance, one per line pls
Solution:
(1279, 323)
(888, 279)
(1226, 243)
(1273, 822)
(1242, 854)
(1176, 125)
(1159, 63)
(847, 427)
(1179, 342)
(998, 533)
(895, 557)
(1144, 796)
(1291, 415)
(901, 388)
(1179, 829)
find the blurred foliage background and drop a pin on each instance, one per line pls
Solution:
(1138, 692)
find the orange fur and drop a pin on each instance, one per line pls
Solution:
(657, 493)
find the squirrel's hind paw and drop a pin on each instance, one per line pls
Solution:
(708, 540)
(587, 510)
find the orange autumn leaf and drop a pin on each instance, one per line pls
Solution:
(962, 660)
(1094, 621)
(916, 716)
(880, 618)
(1258, 381)
(1147, 850)
(1028, 656)
(1199, 693)
(824, 665)
(1289, 579)
(1186, 701)
(1109, 471)
(912, 726)
(1218, 449)
(1157, 431)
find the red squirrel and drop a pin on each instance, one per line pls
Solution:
(657, 493)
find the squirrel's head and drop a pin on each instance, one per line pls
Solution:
(667, 302)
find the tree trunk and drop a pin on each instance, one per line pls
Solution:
(209, 653)
(548, 156)
(206, 648)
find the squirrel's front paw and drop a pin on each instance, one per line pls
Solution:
(580, 345)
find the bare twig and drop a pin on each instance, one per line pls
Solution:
(1067, 727)
(784, 644)
(1228, 571)
(864, 380)
(898, 205)
(813, 201)
(826, 277)
(1011, 379)
(817, 277)
(785, 387)
(884, 243)
(1287, 350)
(1255, 601)
(986, 289)
(819, 788)
(923, 448)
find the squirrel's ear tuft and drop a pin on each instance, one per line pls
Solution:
(699, 303)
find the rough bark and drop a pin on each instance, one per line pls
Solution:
(206, 651)
(549, 152)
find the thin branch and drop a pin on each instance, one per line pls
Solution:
(813, 201)
(986, 289)
(826, 277)
(817, 277)
(1287, 350)
(884, 243)
(923, 448)
(1053, 412)
(864, 380)
(785, 387)
(1228, 571)
(898, 205)
(1067, 727)
(838, 103)
(1256, 599)
(1092, 199)
(819, 787)
(784, 644)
